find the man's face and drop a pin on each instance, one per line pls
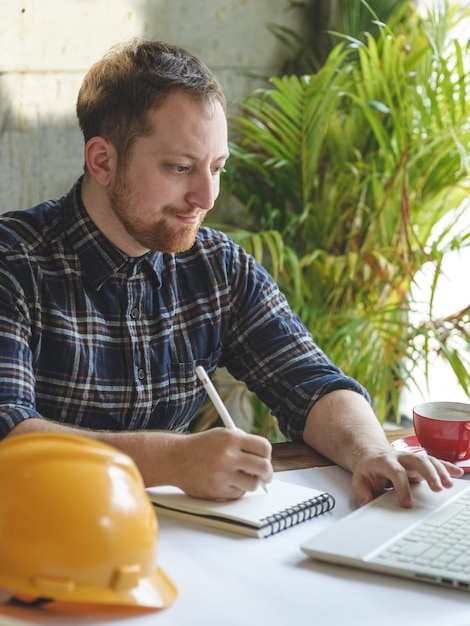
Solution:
(172, 178)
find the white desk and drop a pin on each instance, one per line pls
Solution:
(230, 580)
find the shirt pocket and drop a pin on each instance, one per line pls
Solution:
(185, 393)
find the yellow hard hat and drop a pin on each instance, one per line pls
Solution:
(76, 524)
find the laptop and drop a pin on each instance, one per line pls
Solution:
(429, 542)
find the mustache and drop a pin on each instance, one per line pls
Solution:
(199, 212)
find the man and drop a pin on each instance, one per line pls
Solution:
(112, 295)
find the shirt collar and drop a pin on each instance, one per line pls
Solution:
(99, 258)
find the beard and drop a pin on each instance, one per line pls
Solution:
(161, 235)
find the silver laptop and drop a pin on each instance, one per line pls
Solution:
(429, 542)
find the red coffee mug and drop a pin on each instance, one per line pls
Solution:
(443, 429)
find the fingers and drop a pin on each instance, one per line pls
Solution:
(371, 484)
(243, 483)
(436, 473)
(362, 490)
(453, 470)
(398, 470)
(224, 463)
(401, 484)
(257, 457)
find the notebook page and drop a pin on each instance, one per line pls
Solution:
(252, 508)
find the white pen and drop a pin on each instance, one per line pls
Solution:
(219, 405)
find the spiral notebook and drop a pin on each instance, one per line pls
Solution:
(257, 514)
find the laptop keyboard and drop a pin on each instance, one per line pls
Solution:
(441, 541)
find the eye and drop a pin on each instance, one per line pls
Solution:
(219, 169)
(179, 169)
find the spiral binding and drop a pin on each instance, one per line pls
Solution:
(299, 513)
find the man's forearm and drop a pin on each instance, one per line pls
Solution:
(217, 463)
(150, 450)
(342, 426)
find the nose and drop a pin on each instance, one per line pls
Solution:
(204, 190)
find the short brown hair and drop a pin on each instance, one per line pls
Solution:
(132, 79)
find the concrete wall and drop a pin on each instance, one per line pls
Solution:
(46, 46)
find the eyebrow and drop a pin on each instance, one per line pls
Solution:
(192, 157)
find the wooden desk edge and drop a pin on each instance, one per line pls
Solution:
(292, 456)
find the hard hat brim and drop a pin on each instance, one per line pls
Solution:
(152, 592)
(155, 592)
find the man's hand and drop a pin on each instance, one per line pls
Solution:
(389, 468)
(221, 463)
(343, 427)
(216, 463)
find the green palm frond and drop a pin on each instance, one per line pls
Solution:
(347, 175)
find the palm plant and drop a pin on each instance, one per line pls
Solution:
(346, 176)
(325, 23)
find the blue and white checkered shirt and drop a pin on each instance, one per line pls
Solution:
(93, 338)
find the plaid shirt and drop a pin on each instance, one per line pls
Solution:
(93, 338)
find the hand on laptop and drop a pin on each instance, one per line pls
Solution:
(391, 468)
(343, 427)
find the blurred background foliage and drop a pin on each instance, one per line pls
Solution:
(350, 171)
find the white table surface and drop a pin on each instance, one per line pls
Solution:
(231, 580)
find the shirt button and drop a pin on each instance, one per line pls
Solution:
(135, 313)
(141, 374)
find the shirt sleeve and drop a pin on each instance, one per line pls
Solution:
(17, 396)
(271, 350)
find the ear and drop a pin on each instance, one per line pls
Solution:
(100, 159)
